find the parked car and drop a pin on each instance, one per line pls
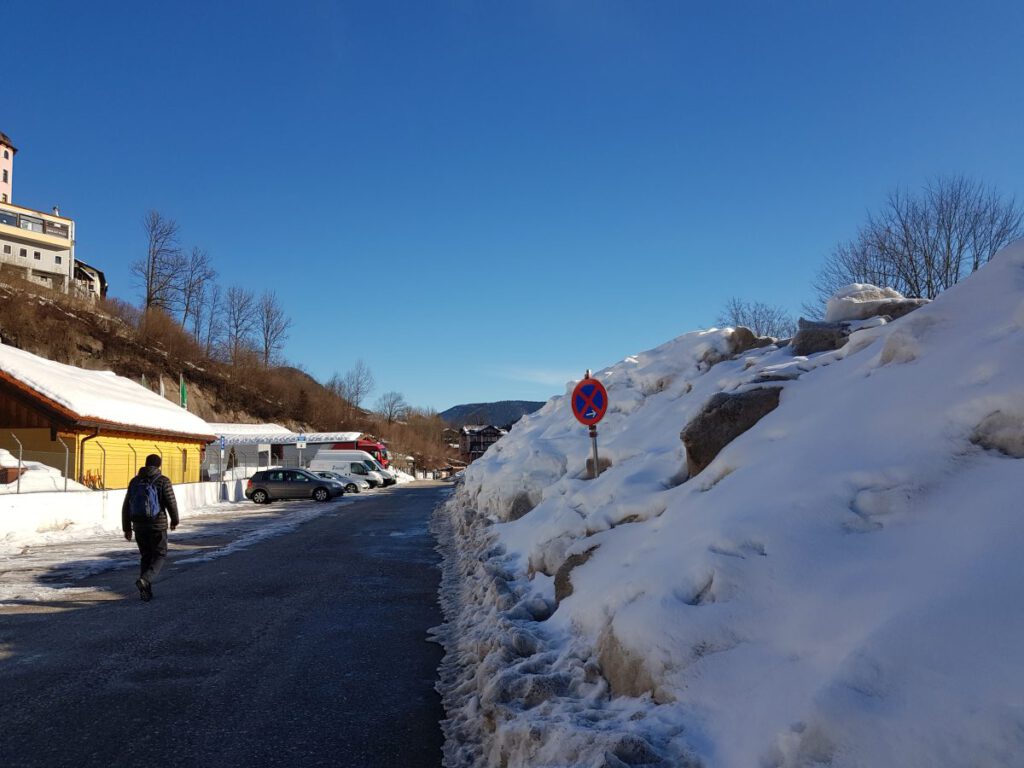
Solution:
(352, 483)
(273, 484)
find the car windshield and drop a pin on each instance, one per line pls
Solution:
(368, 463)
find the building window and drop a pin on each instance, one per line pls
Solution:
(57, 260)
(6, 155)
(7, 249)
(36, 256)
(31, 223)
(24, 253)
(3, 198)
(5, 175)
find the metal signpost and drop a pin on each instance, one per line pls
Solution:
(301, 445)
(589, 403)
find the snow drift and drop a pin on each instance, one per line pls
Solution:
(839, 585)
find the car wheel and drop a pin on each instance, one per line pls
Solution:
(351, 488)
(260, 497)
(321, 494)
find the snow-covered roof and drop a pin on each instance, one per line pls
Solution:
(254, 434)
(97, 398)
(247, 430)
(476, 429)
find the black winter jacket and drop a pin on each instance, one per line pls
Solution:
(164, 491)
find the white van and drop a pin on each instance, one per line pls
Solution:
(353, 462)
(389, 477)
(372, 464)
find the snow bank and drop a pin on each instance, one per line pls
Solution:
(839, 586)
(36, 477)
(400, 476)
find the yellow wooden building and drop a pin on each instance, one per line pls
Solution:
(100, 425)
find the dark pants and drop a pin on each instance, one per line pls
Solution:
(153, 548)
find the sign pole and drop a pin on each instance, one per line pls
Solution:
(589, 402)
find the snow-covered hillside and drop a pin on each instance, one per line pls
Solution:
(840, 586)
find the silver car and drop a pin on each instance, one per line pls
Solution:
(272, 484)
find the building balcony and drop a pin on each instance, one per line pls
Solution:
(35, 226)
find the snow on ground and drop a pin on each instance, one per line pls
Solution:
(842, 585)
(37, 477)
(400, 476)
(101, 395)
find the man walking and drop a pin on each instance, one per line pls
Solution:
(147, 506)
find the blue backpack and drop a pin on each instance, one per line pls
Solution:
(143, 501)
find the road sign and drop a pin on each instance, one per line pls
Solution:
(589, 401)
(301, 442)
(222, 442)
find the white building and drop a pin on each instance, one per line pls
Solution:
(41, 246)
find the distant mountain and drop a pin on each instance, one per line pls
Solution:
(499, 414)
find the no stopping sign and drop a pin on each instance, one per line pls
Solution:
(589, 402)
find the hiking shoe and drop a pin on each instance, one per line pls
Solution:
(145, 589)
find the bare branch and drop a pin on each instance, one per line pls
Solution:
(191, 281)
(763, 319)
(392, 407)
(155, 273)
(922, 244)
(239, 320)
(272, 325)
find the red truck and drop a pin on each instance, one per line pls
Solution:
(377, 449)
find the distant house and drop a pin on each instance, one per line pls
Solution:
(90, 283)
(98, 424)
(474, 440)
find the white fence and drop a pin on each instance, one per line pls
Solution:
(29, 513)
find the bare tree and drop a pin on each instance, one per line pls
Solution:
(357, 384)
(392, 407)
(334, 385)
(208, 319)
(763, 319)
(191, 281)
(239, 320)
(272, 325)
(922, 244)
(156, 272)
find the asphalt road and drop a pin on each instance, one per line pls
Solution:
(308, 649)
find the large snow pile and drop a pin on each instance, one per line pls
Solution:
(840, 586)
(100, 395)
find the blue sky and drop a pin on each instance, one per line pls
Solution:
(482, 199)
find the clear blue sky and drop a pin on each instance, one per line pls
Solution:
(482, 199)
